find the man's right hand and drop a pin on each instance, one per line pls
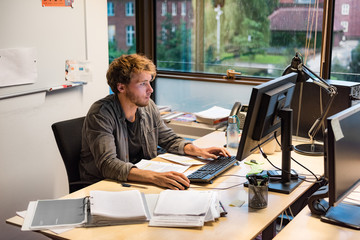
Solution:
(172, 180)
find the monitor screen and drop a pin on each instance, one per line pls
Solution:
(268, 113)
(343, 153)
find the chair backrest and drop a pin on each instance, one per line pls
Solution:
(68, 138)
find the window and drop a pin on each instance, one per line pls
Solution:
(129, 9)
(345, 24)
(130, 33)
(345, 52)
(183, 9)
(121, 29)
(174, 9)
(305, 1)
(257, 38)
(163, 34)
(345, 8)
(110, 9)
(111, 33)
(163, 8)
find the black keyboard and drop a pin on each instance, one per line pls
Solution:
(212, 169)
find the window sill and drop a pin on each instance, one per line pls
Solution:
(211, 78)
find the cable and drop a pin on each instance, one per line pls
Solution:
(281, 221)
(317, 179)
(292, 215)
(226, 188)
(302, 179)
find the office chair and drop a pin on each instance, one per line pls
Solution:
(68, 138)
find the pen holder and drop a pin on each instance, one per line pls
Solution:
(258, 191)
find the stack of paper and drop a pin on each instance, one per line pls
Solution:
(212, 116)
(185, 208)
(109, 208)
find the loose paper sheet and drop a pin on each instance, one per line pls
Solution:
(17, 66)
(160, 166)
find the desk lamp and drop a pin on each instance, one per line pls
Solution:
(304, 74)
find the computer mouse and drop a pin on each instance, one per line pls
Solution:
(185, 187)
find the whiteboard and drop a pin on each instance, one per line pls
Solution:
(56, 33)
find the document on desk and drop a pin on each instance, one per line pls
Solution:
(184, 208)
(109, 208)
(160, 166)
(183, 160)
(101, 208)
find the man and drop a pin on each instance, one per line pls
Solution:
(125, 127)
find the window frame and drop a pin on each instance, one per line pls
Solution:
(129, 9)
(112, 30)
(130, 35)
(183, 9)
(110, 10)
(146, 44)
(174, 8)
(345, 9)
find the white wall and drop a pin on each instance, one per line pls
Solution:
(30, 164)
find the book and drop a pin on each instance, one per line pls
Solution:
(101, 208)
(213, 115)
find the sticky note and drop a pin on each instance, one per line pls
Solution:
(335, 124)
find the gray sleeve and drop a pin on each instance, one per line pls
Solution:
(168, 139)
(99, 129)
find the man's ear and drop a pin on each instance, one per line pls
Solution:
(120, 87)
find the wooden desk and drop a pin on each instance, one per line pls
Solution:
(240, 223)
(308, 226)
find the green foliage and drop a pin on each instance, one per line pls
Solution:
(174, 46)
(115, 52)
(244, 27)
(355, 61)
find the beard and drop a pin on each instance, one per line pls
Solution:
(137, 100)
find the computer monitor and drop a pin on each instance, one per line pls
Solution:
(268, 113)
(342, 160)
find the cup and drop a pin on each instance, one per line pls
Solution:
(258, 196)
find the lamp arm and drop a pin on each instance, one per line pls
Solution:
(331, 90)
(317, 124)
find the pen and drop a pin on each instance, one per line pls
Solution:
(64, 86)
(132, 185)
(222, 214)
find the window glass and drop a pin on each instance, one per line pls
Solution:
(257, 38)
(130, 33)
(345, 9)
(121, 28)
(110, 8)
(174, 8)
(183, 9)
(129, 9)
(163, 8)
(345, 55)
(111, 33)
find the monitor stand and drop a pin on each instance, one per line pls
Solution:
(287, 187)
(344, 215)
(286, 184)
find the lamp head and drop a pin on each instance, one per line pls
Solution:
(297, 66)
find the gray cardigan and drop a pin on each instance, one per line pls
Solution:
(105, 152)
